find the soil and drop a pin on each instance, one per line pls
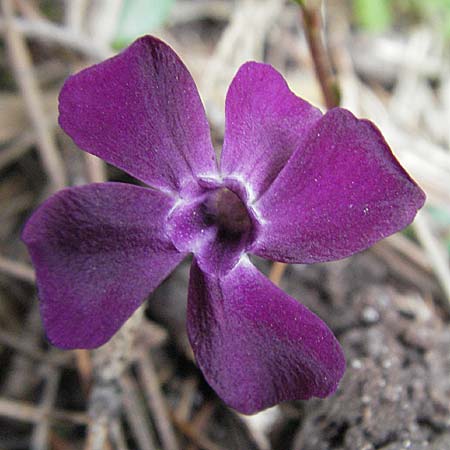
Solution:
(395, 394)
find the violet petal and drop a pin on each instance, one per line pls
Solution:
(338, 194)
(141, 112)
(98, 251)
(264, 123)
(255, 345)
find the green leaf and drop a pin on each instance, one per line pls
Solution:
(373, 15)
(139, 17)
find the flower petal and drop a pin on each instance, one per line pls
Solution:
(98, 250)
(264, 123)
(255, 345)
(339, 194)
(141, 112)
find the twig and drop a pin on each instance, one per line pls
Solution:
(313, 29)
(84, 367)
(409, 249)
(74, 14)
(27, 9)
(32, 352)
(194, 10)
(16, 149)
(200, 421)
(23, 69)
(117, 435)
(20, 379)
(405, 269)
(276, 272)
(151, 335)
(192, 433)
(188, 390)
(40, 436)
(17, 270)
(109, 362)
(28, 412)
(98, 432)
(203, 416)
(439, 260)
(150, 384)
(236, 46)
(95, 168)
(137, 416)
(58, 443)
(49, 32)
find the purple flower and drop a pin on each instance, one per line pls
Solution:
(293, 185)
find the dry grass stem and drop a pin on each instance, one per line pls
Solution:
(17, 269)
(16, 149)
(109, 363)
(137, 417)
(75, 12)
(438, 258)
(312, 19)
(117, 435)
(199, 439)
(276, 272)
(27, 412)
(41, 432)
(84, 367)
(192, 10)
(95, 168)
(50, 33)
(23, 69)
(155, 400)
(32, 352)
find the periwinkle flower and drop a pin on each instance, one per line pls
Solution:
(293, 185)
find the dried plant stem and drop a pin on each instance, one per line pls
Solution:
(277, 272)
(410, 250)
(438, 258)
(23, 69)
(84, 367)
(75, 11)
(312, 21)
(313, 29)
(17, 270)
(137, 416)
(16, 149)
(193, 10)
(199, 422)
(192, 433)
(397, 264)
(47, 31)
(31, 351)
(117, 435)
(150, 383)
(188, 391)
(109, 363)
(97, 435)
(95, 168)
(28, 412)
(41, 432)
(58, 443)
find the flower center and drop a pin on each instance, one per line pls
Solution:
(226, 210)
(215, 226)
